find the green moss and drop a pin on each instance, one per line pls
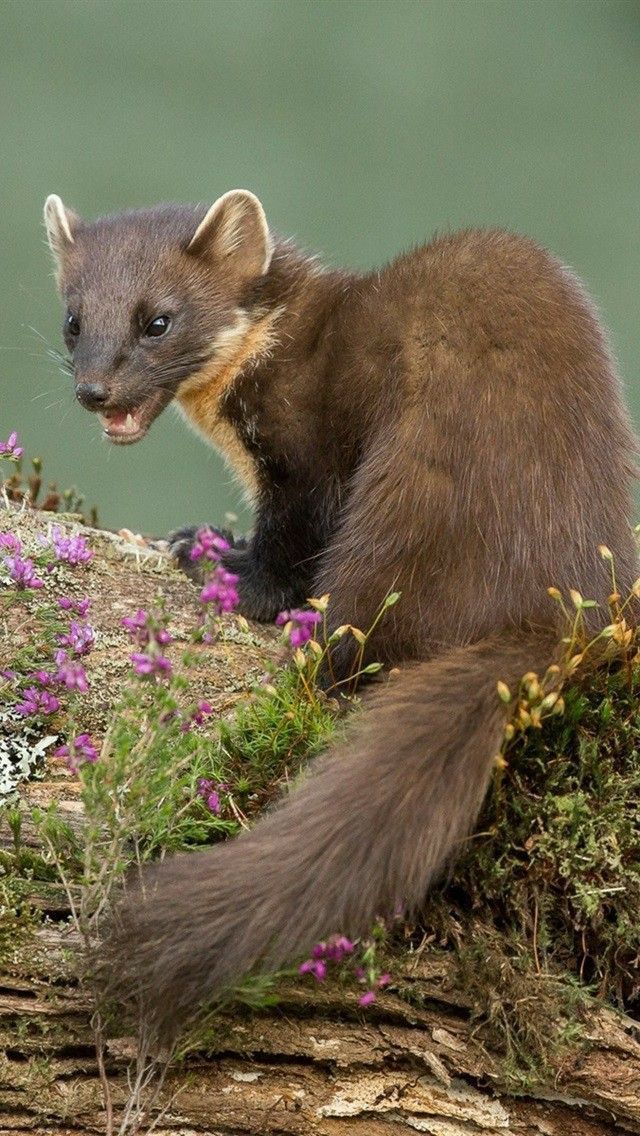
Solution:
(541, 910)
(18, 920)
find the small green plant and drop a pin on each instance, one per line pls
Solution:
(158, 785)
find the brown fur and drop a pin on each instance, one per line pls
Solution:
(451, 427)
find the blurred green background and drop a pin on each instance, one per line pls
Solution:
(364, 125)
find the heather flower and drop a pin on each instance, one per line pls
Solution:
(299, 625)
(80, 607)
(152, 664)
(367, 998)
(334, 950)
(37, 702)
(45, 678)
(208, 544)
(81, 749)
(337, 948)
(10, 542)
(22, 572)
(209, 795)
(72, 549)
(316, 967)
(221, 591)
(80, 638)
(137, 626)
(148, 633)
(10, 448)
(197, 717)
(69, 673)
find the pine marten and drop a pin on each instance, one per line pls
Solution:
(450, 426)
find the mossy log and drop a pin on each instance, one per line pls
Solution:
(317, 1063)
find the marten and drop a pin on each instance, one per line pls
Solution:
(451, 427)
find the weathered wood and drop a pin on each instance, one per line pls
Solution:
(317, 1064)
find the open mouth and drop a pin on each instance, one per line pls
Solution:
(125, 427)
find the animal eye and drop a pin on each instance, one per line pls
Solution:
(72, 324)
(158, 326)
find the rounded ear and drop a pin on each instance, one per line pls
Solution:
(60, 225)
(234, 230)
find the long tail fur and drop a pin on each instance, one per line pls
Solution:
(369, 830)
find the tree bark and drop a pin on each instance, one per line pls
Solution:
(317, 1063)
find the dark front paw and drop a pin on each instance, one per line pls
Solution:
(261, 596)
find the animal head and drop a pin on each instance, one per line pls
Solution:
(154, 298)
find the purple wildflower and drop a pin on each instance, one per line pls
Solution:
(22, 572)
(367, 998)
(37, 702)
(153, 664)
(45, 678)
(338, 947)
(80, 638)
(81, 749)
(208, 544)
(146, 632)
(316, 967)
(299, 625)
(136, 625)
(197, 716)
(10, 448)
(220, 590)
(70, 674)
(10, 542)
(80, 607)
(209, 795)
(71, 549)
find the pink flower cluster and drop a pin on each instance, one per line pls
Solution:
(10, 448)
(148, 633)
(220, 588)
(35, 701)
(22, 572)
(209, 794)
(299, 625)
(79, 638)
(80, 749)
(21, 569)
(209, 545)
(71, 549)
(69, 674)
(80, 607)
(334, 951)
(197, 716)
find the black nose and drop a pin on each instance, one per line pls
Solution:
(91, 395)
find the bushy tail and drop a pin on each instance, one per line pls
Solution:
(368, 831)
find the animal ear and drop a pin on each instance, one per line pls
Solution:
(60, 223)
(235, 230)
